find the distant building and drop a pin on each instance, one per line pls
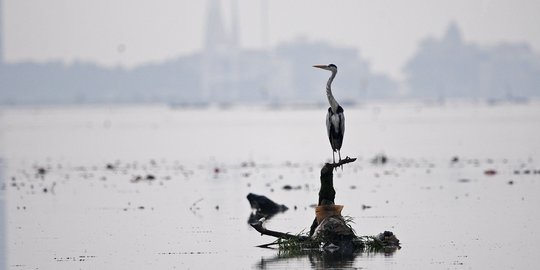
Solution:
(219, 57)
(451, 68)
(223, 72)
(228, 73)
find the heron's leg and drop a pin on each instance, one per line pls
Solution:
(339, 155)
(333, 157)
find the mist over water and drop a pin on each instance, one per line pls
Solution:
(101, 187)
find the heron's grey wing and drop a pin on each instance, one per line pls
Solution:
(342, 123)
(328, 122)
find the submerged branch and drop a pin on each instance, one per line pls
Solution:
(259, 227)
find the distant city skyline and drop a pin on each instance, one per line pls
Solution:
(133, 33)
(224, 72)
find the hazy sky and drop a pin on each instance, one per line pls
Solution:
(134, 32)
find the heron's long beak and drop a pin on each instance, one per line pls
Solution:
(321, 66)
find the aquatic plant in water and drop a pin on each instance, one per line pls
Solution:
(327, 241)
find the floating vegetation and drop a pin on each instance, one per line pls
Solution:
(371, 244)
(332, 239)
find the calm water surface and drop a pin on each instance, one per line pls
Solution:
(145, 187)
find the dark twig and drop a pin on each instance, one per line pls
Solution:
(341, 162)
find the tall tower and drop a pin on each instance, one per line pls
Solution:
(216, 35)
(220, 61)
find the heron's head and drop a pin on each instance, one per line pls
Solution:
(330, 67)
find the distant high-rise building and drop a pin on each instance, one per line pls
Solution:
(220, 56)
(216, 35)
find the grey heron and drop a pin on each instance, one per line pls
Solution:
(335, 120)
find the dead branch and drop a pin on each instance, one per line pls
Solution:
(259, 227)
(341, 162)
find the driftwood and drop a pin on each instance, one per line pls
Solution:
(326, 197)
(259, 227)
(329, 227)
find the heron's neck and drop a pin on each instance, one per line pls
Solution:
(333, 103)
